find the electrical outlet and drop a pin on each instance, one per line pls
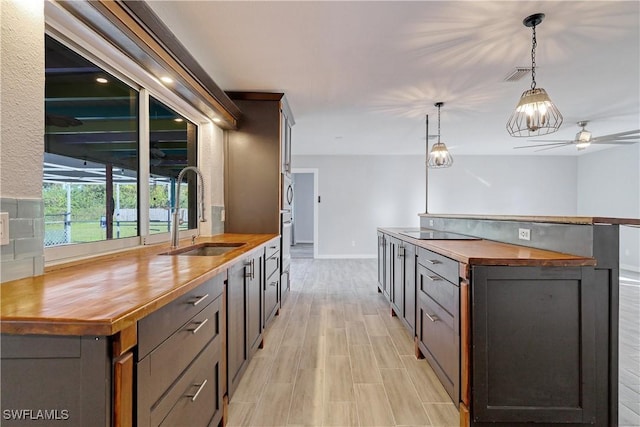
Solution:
(222, 215)
(524, 234)
(353, 243)
(4, 228)
(430, 223)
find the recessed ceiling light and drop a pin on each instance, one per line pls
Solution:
(102, 80)
(178, 120)
(217, 120)
(166, 79)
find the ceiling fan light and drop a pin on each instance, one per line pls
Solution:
(584, 136)
(439, 157)
(534, 115)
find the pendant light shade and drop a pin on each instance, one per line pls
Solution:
(535, 113)
(439, 156)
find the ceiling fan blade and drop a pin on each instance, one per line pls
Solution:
(556, 144)
(619, 138)
(551, 140)
(615, 142)
(629, 133)
(550, 148)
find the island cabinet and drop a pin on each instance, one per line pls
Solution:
(397, 278)
(271, 283)
(179, 366)
(438, 322)
(518, 336)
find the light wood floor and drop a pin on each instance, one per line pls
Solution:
(335, 357)
(629, 380)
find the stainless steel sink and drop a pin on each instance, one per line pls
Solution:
(205, 249)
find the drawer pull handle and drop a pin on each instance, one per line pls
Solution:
(199, 300)
(200, 325)
(273, 284)
(200, 387)
(434, 278)
(433, 318)
(433, 261)
(272, 247)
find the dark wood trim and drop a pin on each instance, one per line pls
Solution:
(163, 35)
(465, 343)
(255, 96)
(118, 24)
(465, 416)
(123, 391)
(125, 340)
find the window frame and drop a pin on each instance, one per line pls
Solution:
(68, 30)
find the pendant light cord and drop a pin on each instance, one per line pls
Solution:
(438, 124)
(533, 59)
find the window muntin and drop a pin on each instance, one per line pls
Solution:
(91, 160)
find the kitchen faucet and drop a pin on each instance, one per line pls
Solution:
(176, 210)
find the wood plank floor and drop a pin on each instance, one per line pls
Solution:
(629, 346)
(335, 357)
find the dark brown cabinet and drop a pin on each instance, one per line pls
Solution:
(254, 292)
(437, 324)
(237, 352)
(179, 362)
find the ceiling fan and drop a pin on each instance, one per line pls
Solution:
(584, 139)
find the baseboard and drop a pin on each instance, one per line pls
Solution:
(304, 242)
(347, 256)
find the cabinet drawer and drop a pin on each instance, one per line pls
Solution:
(441, 265)
(272, 263)
(438, 333)
(164, 364)
(445, 293)
(271, 287)
(195, 397)
(155, 328)
(271, 248)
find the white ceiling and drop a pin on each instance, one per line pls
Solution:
(360, 76)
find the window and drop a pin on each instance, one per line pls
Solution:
(172, 147)
(90, 183)
(94, 154)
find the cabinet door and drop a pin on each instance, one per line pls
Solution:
(381, 261)
(253, 280)
(388, 267)
(534, 342)
(410, 287)
(236, 326)
(397, 282)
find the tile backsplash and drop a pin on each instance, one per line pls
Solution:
(24, 255)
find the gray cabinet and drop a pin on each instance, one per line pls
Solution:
(237, 351)
(536, 339)
(254, 292)
(381, 261)
(272, 282)
(179, 362)
(437, 317)
(255, 156)
(409, 283)
(55, 381)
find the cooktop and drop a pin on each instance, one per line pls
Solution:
(437, 235)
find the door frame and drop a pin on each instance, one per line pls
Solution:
(313, 171)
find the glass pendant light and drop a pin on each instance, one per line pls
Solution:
(439, 157)
(535, 114)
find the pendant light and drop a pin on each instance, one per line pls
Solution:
(439, 157)
(535, 114)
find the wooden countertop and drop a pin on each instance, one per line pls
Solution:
(587, 220)
(106, 294)
(487, 252)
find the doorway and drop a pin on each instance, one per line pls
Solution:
(304, 242)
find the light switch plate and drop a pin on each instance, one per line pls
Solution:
(4, 228)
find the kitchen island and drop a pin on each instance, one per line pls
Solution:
(87, 340)
(518, 332)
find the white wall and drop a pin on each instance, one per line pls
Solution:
(21, 98)
(303, 207)
(609, 186)
(361, 193)
(505, 185)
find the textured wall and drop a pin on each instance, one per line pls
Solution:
(21, 98)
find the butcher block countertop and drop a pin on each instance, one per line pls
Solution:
(106, 294)
(585, 220)
(487, 252)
